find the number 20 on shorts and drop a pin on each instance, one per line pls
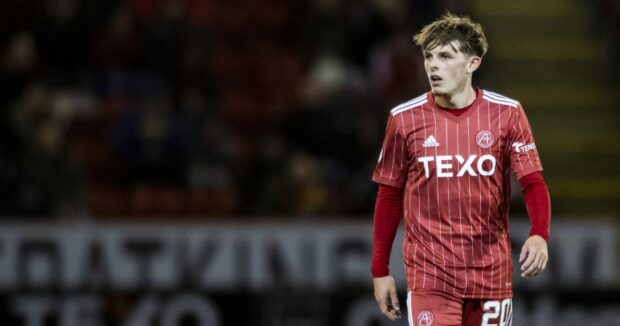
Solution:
(494, 309)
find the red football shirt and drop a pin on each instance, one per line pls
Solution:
(456, 175)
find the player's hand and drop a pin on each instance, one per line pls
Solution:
(385, 294)
(534, 256)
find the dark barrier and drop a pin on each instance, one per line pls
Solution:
(262, 274)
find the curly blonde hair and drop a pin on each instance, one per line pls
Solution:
(449, 28)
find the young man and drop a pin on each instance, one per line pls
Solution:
(445, 165)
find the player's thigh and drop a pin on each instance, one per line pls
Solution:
(484, 312)
(433, 308)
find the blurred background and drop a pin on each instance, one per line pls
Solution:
(208, 162)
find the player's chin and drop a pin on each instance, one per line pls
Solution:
(436, 92)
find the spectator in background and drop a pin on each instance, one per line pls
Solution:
(270, 184)
(306, 190)
(326, 124)
(151, 141)
(117, 44)
(323, 29)
(209, 142)
(200, 98)
(19, 66)
(48, 175)
(210, 175)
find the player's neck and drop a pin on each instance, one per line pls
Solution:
(457, 101)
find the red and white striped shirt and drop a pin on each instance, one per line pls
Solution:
(456, 175)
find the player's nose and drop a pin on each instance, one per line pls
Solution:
(432, 61)
(432, 65)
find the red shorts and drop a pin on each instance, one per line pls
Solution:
(433, 308)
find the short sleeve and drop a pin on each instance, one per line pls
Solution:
(391, 168)
(524, 157)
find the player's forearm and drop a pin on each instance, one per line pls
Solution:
(388, 210)
(538, 203)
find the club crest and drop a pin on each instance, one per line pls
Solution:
(425, 318)
(485, 138)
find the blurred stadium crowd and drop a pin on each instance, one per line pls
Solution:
(203, 108)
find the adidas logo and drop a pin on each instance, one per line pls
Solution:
(430, 142)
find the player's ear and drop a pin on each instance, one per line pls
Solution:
(474, 63)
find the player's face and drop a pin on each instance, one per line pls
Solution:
(449, 71)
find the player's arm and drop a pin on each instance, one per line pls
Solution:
(534, 254)
(388, 210)
(390, 174)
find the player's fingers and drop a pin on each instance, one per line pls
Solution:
(383, 307)
(394, 299)
(528, 261)
(391, 315)
(535, 267)
(389, 311)
(540, 265)
(545, 263)
(542, 256)
(523, 254)
(381, 299)
(392, 312)
(537, 262)
(529, 267)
